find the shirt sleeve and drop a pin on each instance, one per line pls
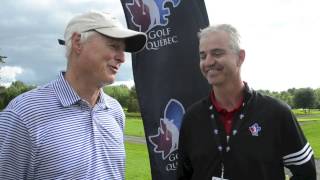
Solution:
(15, 147)
(297, 152)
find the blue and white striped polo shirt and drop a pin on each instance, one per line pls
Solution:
(50, 133)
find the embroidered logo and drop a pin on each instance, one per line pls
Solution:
(255, 129)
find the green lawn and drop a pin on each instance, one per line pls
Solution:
(312, 132)
(137, 167)
(134, 127)
(312, 115)
(302, 112)
(310, 124)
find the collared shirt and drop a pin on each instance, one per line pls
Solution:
(226, 117)
(51, 133)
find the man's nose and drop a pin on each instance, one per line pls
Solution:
(209, 60)
(120, 57)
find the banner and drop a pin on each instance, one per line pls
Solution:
(166, 73)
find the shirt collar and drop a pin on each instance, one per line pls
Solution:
(68, 96)
(219, 108)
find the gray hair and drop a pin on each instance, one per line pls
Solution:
(230, 30)
(84, 36)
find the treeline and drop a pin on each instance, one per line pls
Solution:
(126, 97)
(304, 98)
(7, 94)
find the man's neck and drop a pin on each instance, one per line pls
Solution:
(83, 88)
(229, 95)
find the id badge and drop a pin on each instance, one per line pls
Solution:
(218, 178)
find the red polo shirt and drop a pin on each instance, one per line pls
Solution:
(226, 117)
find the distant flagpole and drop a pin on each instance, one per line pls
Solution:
(166, 73)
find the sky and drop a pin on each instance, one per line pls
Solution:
(281, 39)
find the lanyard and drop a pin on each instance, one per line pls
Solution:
(237, 120)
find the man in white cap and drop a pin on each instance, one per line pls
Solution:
(69, 128)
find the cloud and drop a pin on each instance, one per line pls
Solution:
(30, 29)
(9, 74)
(280, 38)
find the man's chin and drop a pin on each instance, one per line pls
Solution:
(214, 83)
(109, 82)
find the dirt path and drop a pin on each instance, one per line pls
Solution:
(135, 139)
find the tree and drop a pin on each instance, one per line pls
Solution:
(120, 93)
(2, 91)
(304, 98)
(2, 61)
(133, 103)
(126, 97)
(15, 89)
(286, 97)
(317, 94)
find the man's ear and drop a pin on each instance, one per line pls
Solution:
(242, 55)
(75, 40)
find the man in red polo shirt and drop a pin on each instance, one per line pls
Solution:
(237, 133)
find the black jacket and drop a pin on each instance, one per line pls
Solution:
(267, 138)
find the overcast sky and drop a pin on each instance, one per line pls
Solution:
(281, 39)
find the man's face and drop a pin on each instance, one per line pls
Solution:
(219, 64)
(101, 58)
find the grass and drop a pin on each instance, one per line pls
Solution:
(138, 166)
(310, 124)
(313, 115)
(312, 131)
(133, 114)
(134, 127)
(302, 112)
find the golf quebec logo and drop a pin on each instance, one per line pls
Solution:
(152, 17)
(167, 138)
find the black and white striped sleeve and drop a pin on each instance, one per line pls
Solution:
(297, 152)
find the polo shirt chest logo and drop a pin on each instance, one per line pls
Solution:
(255, 129)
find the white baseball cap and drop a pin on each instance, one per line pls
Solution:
(107, 25)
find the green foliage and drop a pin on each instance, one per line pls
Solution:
(2, 90)
(138, 166)
(317, 96)
(133, 103)
(16, 88)
(297, 98)
(120, 93)
(126, 97)
(304, 98)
